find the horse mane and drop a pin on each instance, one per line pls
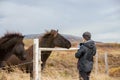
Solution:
(11, 35)
(46, 39)
(49, 33)
(9, 39)
(46, 34)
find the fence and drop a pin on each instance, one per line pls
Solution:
(105, 61)
(37, 59)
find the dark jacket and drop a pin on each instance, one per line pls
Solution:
(85, 56)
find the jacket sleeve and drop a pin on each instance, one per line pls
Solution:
(94, 51)
(80, 52)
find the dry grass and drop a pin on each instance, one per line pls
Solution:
(103, 77)
(61, 65)
(115, 71)
(28, 42)
(16, 75)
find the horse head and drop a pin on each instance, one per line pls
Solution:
(12, 43)
(59, 40)
(54, 39)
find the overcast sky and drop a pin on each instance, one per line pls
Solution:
(100, 17)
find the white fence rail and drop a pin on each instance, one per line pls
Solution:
(57, 49)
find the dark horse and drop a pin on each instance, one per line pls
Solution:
(11, 43)
(49, 40)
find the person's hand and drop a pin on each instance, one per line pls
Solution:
(81, 44)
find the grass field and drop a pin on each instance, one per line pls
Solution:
(61, 65)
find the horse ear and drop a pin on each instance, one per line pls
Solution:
(54, 32)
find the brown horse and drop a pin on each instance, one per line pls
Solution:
(49, 40)
(52, 39)
(11, 43)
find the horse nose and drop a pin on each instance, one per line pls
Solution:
(68, 46)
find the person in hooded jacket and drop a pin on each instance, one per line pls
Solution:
(85, 56)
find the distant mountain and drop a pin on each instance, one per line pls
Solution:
(71, 38)
(33, 36)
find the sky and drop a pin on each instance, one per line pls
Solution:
(73, 17)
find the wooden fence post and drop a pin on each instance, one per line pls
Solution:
(40, 62)
(36, 60)
(106, 64)
(96, 64)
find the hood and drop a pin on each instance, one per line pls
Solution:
(89, 44)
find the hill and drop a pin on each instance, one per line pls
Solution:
(71, 38)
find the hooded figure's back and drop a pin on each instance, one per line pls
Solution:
(85, 54)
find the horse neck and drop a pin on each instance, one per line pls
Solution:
(4, 54)
(6, 47)
(30, 53)
(47, 43)
(9, 44)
